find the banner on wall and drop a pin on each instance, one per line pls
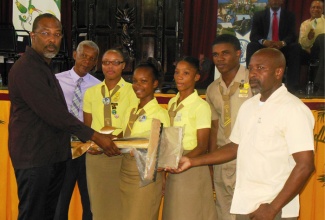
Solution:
(235, 18)
(25, 11)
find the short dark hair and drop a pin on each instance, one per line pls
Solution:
(194, 62)
(227, 38)
(40, 17)
(152, 64)
(116, 50)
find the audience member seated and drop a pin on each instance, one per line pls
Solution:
(311, 39)
(281, 36)
(207, 73)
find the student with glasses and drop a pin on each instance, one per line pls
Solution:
(105, 105)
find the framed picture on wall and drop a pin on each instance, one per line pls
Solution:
(235, 18)
(25, 11)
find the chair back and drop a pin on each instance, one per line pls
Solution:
(7, 40)
(22, 40)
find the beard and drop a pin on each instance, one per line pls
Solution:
(255, 86)
(51, 54)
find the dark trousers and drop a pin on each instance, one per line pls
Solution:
(75, 172)
(38, 190)
(292, 54)
(317, 52)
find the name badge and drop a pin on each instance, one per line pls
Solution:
(116, 97)
(106, 100)
(142, 118)
(243, 90)
(178, 117)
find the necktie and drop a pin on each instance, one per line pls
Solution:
(226, 107)
(76, 100)
(132, 119)
(314, 24)
(275, 27)
(107, 107)
(172, 113)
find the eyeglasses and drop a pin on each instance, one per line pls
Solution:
(47, 34)
(114, 62)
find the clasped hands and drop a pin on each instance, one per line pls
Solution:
(273, 44)
(105, 142)
(311, 34)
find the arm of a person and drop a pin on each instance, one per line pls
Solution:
(202, 143)
(42, 93)
(304, 41)
(88, 118)
(87, 121)
(291, 36)
(294, 184)
(103, 141)
(213, 135)
(257, 28)
(222, 155)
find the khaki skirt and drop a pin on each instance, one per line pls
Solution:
(189, 196)
(138, 203)
(103, 178)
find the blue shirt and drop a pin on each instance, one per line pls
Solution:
(68, 82)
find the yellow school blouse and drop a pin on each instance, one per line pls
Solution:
(196, 114)
(93, 104)
(143, 123)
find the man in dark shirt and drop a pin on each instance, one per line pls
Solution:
(40, 124)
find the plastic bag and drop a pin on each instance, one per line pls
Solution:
(147, 159)
(171, 147)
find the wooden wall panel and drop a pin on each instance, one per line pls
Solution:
(151, 28)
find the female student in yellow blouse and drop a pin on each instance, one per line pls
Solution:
(105, 105)
(141, 203)
(189, 195)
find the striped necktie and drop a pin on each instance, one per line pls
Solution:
(226, 107)
(77, 98)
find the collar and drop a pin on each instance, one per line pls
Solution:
(322, 17)
(32, 52)
(121, 83)
(240, 77)
(278, 11)
(279, 92)
(189, 99)
(148, 106)
(75, 76)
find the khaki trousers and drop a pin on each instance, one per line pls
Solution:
(224, 179)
